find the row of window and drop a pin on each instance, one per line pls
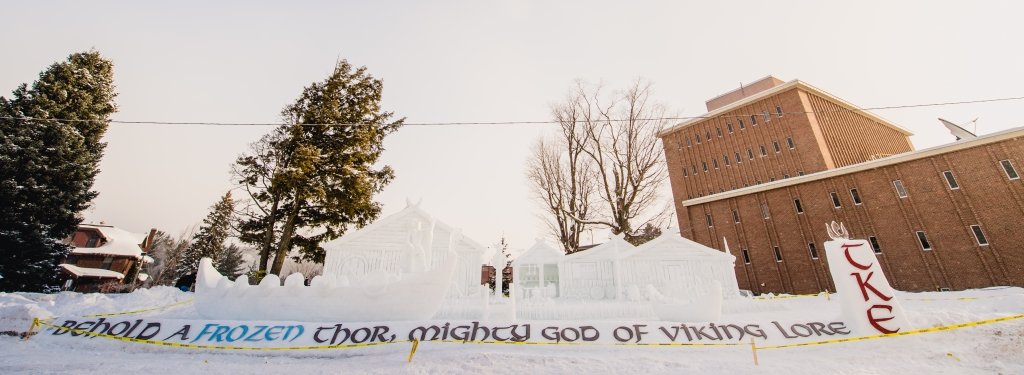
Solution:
(728, 126)
(750, 156)
(922, 238)
(901, 191)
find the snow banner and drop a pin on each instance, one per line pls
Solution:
(202, 334)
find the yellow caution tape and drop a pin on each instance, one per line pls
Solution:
(904, 333)
(787, 296)
(579, 343)
(139, 311)
(415, 343)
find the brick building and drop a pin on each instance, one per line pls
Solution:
(104, 255)
(771, 163)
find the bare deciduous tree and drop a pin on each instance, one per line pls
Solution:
(615, 152)
(558, 171)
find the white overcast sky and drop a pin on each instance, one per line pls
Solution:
(457, 61)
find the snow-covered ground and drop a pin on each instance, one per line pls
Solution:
(987, 349)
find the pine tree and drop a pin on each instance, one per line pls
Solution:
(209, 241)
(232, 262)
(49, 154)
(310, 183)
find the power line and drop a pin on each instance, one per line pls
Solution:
(499, 123)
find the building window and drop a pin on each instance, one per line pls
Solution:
(750, 154)
(874, 244)
(741, 125)
(900, 190)
(738, 158)
(855, 196)
(923, 239)
(736, 216)
(694, 168)
(835, 200)
(812, 250)
(686, 173)
(704, 164)
(711, 222)
(688, 141)
(775, 144)
(979, 235)
(789, 142)
(771, 179)
(697, 138)
(1008, 168)
(728, 126)
(800, 173)
(950, 180)
(746, 256)
(725, 158)
(799, 207)
(766, 117)
(714, 163)
(107, 262)
(778, 110)
(93, 241)
(778, 253)
(764, 211)
(764, 151)
(753, 120)
(719, 131)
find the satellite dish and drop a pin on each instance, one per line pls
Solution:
(958, 132)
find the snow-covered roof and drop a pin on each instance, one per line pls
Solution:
(91, 272)
(615, 248)
(670, 245)
(118, 242)
(148, 259)
(143, 277)
(539, 253)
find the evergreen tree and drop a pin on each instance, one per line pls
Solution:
(49, 155)
(311, 180)
(209, 241)
(167, 253)
(232, 262)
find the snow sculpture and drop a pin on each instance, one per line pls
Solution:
(867, 298)
(668, 278)
(680, 268)
(408, 241)
(536, 271)
(594, 273)
(403, 267)
(377, 297)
